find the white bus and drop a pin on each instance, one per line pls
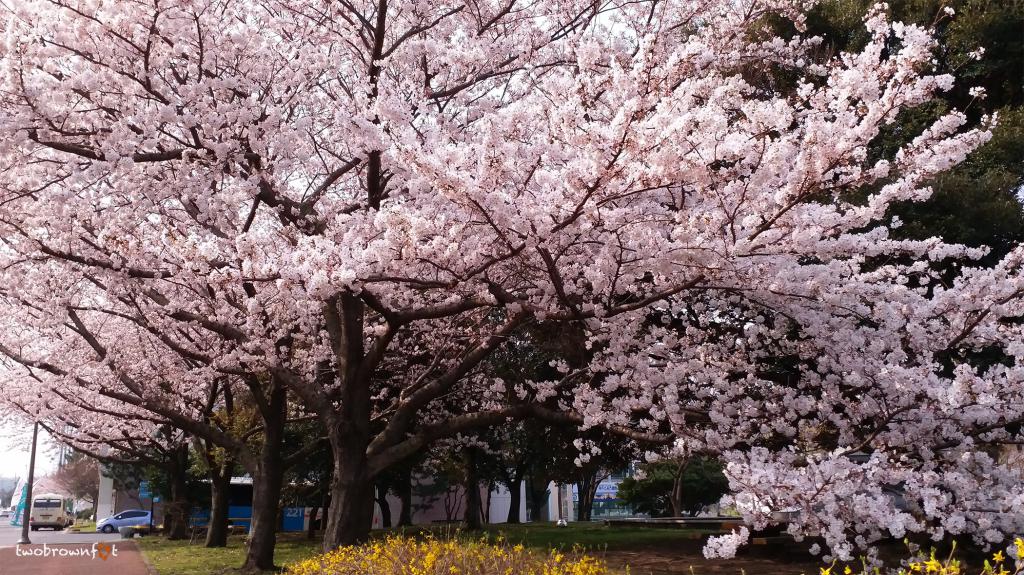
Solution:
(51, 510)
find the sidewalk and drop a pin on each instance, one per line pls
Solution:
(121, 557)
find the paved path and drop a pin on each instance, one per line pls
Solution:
(68, 553)
(101, 558)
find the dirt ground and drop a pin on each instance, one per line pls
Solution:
(771, 558)
(685, 558)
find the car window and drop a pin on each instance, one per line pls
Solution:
(47, 503)
(134, 514)
(119, 516)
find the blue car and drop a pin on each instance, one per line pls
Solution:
(128, 518)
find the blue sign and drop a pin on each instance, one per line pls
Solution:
(156, 499)
(144, 490)
(607, 489)
(293, 519)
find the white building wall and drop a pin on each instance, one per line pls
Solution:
(497, 507)
(560, 504)
(501, 500)
(105, 499)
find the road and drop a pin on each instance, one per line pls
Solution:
(66, 553)
(9, 536)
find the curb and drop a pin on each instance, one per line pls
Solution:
(142, 554)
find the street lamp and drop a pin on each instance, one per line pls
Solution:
(28, 489)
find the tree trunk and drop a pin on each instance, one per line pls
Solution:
(472, 515)
(538, 487)
(217, 530)
(266, 485)
(350, 515)
(487, 503)
(676, 497)
(515, 501)
(311, 528)
(385, 508)
(592, 496)
(405, 494)
(266, 496)
(176, 513)
(587, 489)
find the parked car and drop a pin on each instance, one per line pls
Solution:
(128, 518)
(6, 513)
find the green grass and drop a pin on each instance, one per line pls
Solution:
(84, 526)
(180, 558)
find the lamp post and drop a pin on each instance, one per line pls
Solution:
(27, 517)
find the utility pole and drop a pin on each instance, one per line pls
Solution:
(27, 517)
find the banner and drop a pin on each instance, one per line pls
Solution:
(20, 493)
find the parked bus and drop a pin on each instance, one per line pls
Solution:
(51, 510)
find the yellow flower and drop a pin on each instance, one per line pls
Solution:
(847, 570)
(998, 557)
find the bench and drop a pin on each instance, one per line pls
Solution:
(241, 528)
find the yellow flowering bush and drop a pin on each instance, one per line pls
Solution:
(406, 556)
(999, 564)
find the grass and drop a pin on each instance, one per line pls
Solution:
(84, 526)
(180, 558)
(592, 536)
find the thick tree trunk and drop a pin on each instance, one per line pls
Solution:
(350, 515)
(538, 487)
(266, 498)
(405, 494)
(217, 530)
(472, 516)
(266, 485)
(515, 501)
(385, 508)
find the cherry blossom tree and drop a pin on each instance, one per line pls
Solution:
(109, 432)
(80, 476)
(359, 202)
(106, 387)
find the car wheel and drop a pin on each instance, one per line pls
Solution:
(35, 529)
(108, 528)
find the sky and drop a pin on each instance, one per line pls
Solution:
(15, 440)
